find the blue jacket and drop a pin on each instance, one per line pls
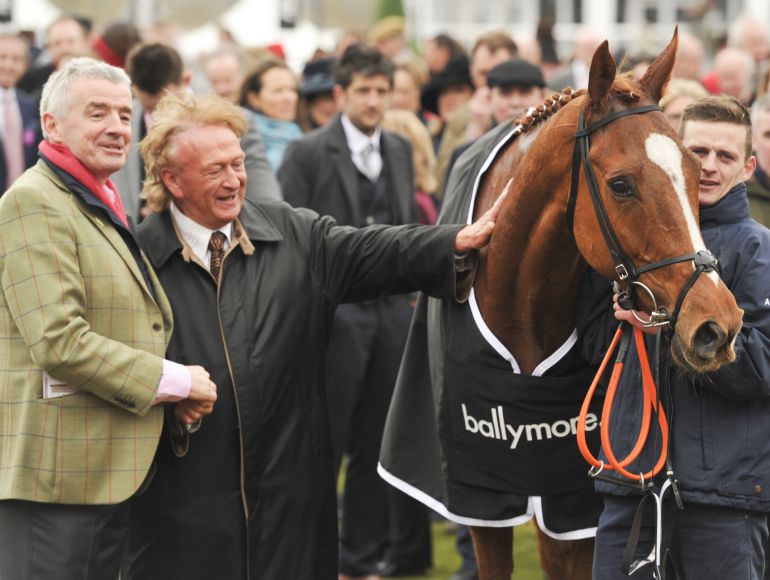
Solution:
(720, 422)
(276, 135)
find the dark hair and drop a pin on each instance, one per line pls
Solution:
(450, 44)
(121, 37)
(718, 109)
(252, 82)
(362, 60)
(152, 67)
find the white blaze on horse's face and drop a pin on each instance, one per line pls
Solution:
(665, 153)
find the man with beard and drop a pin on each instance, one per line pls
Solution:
(360, 175)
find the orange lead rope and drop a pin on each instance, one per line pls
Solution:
(650, 404)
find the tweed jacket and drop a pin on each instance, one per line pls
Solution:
(74, 306)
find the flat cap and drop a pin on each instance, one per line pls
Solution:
(515, 72)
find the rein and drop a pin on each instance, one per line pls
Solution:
(627, 272)
(651, 403)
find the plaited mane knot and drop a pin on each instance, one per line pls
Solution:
(544, 112)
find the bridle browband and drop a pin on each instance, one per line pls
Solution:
(704, 261)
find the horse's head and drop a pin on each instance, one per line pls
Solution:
(647, 183)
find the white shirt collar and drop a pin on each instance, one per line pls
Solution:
(357, 139)
(196, 235)
(371, 166)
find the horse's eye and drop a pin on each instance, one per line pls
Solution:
(621, 188)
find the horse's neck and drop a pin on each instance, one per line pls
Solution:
(529, 277)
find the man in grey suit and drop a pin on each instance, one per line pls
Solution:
(156, 69)
(361, 175)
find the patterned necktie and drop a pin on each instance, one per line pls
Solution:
(217, 248)
(13, 144)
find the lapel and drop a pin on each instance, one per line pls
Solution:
(30, 123)
(343, 165)
(393, 157)
(160, 241)
(109, 230)
(28, 109)
(97, 214)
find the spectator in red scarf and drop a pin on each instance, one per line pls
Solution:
(85, 325)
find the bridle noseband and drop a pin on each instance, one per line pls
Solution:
(703, 261)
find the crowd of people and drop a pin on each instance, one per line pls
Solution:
(155, 288)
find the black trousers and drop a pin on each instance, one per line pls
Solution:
(707, 542)
(379, 523)
(77, 542)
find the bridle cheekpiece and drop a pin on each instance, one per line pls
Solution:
(627, 272)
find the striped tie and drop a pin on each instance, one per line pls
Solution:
(13, 144)
(217, 248)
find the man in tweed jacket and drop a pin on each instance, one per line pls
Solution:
(84, 326)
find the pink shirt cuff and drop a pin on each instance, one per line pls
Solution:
(175, 383)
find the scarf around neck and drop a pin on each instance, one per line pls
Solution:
(62, 157)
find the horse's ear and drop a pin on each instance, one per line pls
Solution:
(601, 76)
(656, 77)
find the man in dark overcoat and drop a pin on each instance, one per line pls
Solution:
(360, 174)
(253, 289)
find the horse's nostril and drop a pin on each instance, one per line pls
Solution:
(709, 338)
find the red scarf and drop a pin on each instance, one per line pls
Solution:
(105, 52)
(62, 157)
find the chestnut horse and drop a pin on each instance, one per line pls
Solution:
(599, 178)
(648, 187)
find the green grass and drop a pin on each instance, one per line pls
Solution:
(446, 561)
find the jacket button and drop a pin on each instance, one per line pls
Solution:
(757, 489)
(157, 326)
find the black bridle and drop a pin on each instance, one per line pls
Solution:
(703, 261)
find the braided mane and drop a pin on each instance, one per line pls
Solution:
(622, 89)
(550, 106)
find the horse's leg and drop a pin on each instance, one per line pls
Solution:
(494, 552)
(565, 559)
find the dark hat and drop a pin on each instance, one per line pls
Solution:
(456, 72)
(516, 72)
(317, 77)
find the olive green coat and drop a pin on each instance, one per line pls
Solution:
(74, 305)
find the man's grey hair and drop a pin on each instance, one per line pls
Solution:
(55, 99)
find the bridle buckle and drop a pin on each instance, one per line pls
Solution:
(706, 260)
